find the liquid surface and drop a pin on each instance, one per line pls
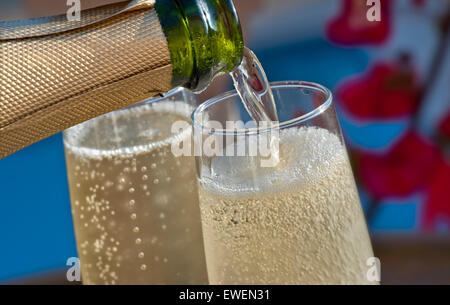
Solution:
(134, 205)
(299, 223)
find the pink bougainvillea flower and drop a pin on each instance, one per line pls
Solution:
(444, 127)
(419, 3)
(388, 90)
(437, 205)
(352, 27)
(404, 169)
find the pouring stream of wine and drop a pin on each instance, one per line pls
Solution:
(254, 90)
(253, 87)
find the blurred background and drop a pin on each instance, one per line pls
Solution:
(390, 81)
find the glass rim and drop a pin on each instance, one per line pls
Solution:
(275, 126)
(154, 99)
(140, 103)
(67, 133)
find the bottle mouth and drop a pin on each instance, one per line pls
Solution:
(326, 101)
(204, 39)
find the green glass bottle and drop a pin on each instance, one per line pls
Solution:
(56, 73)
(204, 39)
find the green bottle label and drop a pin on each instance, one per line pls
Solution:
(204, 38)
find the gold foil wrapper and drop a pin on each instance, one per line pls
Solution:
(56, 73)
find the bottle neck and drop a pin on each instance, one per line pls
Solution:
(204, 39)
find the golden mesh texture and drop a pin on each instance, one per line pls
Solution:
(49, 83)
(57, 24)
